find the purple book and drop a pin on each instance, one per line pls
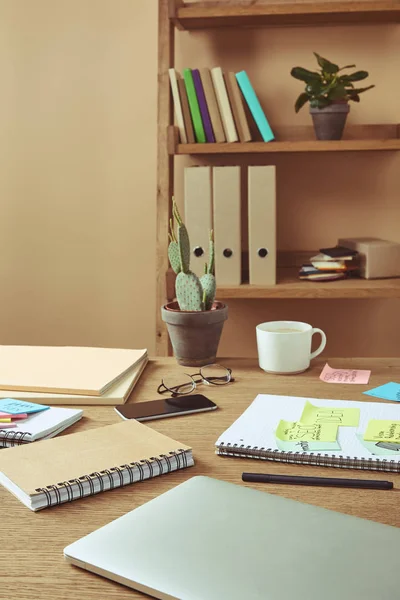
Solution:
(205, 115)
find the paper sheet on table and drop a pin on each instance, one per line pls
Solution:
(388, 391)
(343, 417)
(382, 431)
(330, 375)
(289, 431)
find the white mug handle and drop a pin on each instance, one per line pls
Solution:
(322, 344)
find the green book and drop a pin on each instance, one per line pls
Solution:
(194, 106)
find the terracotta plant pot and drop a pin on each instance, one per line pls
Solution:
(195, 335)
(329, 122)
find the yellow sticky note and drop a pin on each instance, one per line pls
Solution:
(382, 431)
(5, 420)
(316, 432)
(343, 417)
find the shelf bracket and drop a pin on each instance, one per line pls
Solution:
(172, 13)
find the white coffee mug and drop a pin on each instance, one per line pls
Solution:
(284, 347)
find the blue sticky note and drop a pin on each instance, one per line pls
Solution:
(17, 407)
(388, 391)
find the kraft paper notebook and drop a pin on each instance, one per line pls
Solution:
(86, 463)
(116, 395)
(257, 434)
(65, 369)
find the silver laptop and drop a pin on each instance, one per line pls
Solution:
(210, 540)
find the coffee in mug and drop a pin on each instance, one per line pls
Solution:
(284, 347)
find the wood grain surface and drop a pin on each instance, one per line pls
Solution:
(31, 553)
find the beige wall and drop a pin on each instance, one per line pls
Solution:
(78, 172)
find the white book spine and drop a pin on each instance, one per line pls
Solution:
(173, 77)
(224, 105)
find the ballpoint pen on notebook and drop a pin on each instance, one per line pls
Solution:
(369, 484)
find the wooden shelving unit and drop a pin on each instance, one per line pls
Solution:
(211, 15)
(254, 13)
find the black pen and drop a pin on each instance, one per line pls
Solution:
(368, 484)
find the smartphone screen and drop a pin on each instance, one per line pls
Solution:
(168, 407)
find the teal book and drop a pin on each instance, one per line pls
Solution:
(194, 106)
(254, 106)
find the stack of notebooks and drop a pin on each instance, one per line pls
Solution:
(331, 264)
(70, 375)
(85, 463)
(211, 106)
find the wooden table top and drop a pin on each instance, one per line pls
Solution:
(31, 553)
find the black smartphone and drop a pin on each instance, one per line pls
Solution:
(168, 407)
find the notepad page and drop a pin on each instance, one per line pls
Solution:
(42, 423)
(256, 426)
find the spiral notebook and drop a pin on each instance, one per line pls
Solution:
(40, 425)
(252, 435)
(83, 464)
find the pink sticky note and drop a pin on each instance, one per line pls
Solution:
(330, 375)
(4, 415)
(7, 425)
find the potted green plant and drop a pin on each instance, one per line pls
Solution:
(195, 320)
(329, 92)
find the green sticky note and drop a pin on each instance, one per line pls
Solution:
(382, 431)
(343, 417)
(380, 448)
(289, 431)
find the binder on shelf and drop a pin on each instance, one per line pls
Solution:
(212, 105)
(194, 106)
(255, 106)
(173, 78)
(198, 214)
(223, 104)
(186, 111)
(262, 225)
(205, 115)
(226, 188)
(236, 100)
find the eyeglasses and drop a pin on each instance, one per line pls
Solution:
(209, 374)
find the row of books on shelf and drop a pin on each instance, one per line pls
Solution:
(213, 106)
(331, 264)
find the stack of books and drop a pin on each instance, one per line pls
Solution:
(210, 106)
(331, 264)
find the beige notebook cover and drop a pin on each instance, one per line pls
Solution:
(117, 394)
(224, 105)
(228, 260)
(262, 225)
(64, 369)
(212, 105)
(74, 456)
(186, 111)
(198, 214)
(236, 100)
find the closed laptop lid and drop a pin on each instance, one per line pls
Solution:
(211, 540)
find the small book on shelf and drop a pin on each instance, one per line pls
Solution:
(212, 104)
(236, 100)
(194, 107)
(205, 115)
(255, 106)
(224, 105)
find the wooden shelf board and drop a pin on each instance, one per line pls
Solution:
(289, 286)
(254, 13)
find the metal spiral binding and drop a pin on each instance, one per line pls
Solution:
(308, 458)
(14, 438)
(130, 469)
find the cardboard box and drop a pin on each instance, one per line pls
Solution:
(378, 258)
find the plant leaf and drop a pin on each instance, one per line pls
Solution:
(300, 102)
(338, 92)
(357, 76)
(326, 64)
(355, 98)
(320, 102)
(347, 67)
(305, 74)
(360, 90)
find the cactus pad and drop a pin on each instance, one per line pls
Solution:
(189, 292)
(184, 248)
(211, 264)
(174, 256)
(209, 287)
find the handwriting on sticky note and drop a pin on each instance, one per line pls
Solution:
(388, 391)
(16, 407)
(382, 431)
(306, 446)
(330, 375)
(316, 432)
(344, 417)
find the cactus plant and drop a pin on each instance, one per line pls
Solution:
(192, 293)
